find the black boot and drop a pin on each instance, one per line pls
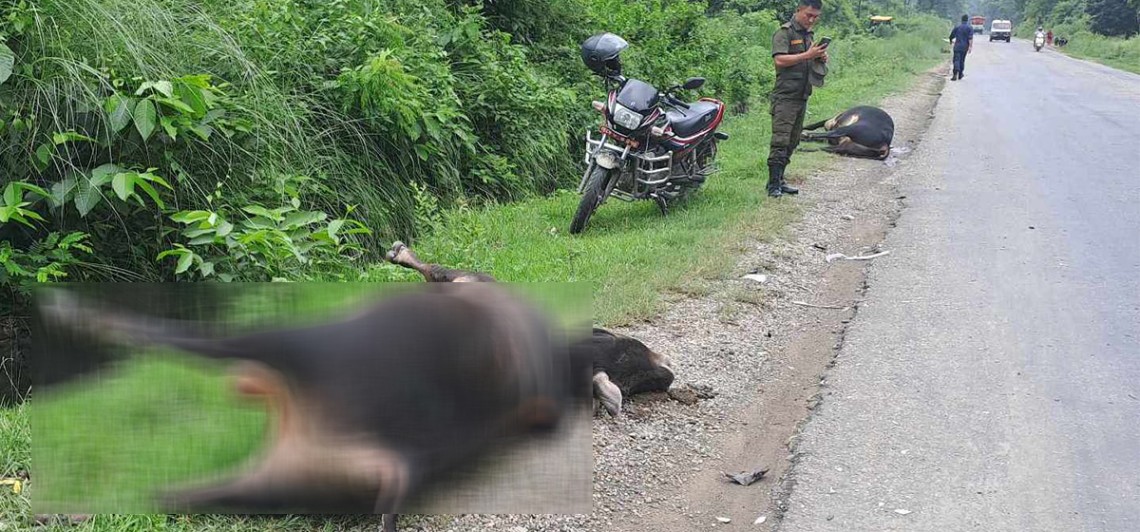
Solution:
(775, 180)
(787, 189)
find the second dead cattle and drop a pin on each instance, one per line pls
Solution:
(862, 131)
(622, 365)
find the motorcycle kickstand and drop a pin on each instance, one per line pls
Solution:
(661, 204)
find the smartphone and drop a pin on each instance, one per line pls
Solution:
(825, 41)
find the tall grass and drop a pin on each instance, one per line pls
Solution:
(294, 133)
(1116, 52)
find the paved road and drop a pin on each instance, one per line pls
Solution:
(991, 379)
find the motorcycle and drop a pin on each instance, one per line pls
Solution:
(1038, 41)
(652, 145)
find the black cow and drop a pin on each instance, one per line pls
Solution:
(622, 365)
(862, 131)
(366, 411)
(344, 439)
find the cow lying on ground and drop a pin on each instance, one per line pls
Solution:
(622, 366)
(368, 410)
(862, 131)
(345, 437)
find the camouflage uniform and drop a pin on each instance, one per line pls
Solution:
(789, 99)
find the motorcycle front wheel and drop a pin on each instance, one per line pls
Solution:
(592, 197)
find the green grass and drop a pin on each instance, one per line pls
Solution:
(632, 254)
(111, 441)
(1115, 52)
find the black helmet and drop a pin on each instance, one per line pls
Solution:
(600, 53)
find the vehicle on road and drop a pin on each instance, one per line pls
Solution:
(978, 23)
(652, 144)
(1001, 30)
(1039, 40)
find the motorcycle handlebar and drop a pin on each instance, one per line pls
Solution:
(673, 100)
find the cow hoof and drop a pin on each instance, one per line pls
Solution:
(398, 254)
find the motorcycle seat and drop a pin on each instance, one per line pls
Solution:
(697, 117)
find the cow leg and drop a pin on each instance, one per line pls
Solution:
(402, 255)
(320, 476)
(608, 393)
(389, 523)
(309, 465)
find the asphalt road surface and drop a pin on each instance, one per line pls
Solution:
(991, 378)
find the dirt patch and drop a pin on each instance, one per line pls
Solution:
(757, 351)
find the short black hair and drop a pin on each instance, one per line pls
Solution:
(965, 18)
(818, 4)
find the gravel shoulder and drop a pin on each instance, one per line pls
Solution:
(990, 381)
(659, 467)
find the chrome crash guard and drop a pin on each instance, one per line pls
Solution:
(649, 172)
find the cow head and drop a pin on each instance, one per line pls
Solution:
(624, 366)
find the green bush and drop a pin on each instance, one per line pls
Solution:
(286, 139)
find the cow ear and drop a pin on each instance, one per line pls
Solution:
(608, 393)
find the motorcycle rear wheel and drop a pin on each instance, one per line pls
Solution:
(592, 198)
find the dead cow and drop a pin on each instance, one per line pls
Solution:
(367, 410)
(862, 131)
(622, 365)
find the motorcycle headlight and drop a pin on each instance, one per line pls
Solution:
(625, 117)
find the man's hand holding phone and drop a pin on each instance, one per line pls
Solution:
(819, 49)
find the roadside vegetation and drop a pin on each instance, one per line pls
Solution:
(1115, 52)
(1104, 31)
(252, 143)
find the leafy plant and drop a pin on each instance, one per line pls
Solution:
(46, 260)
(14, 206)
(277, 243)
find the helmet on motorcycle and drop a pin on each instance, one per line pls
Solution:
(601, 53)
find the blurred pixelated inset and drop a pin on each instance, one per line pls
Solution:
(311, 398)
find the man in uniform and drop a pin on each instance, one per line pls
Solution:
(799, 65)
(963, 38)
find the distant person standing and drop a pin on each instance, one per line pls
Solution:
(800, 65)
(1049, 37)
(963, 38)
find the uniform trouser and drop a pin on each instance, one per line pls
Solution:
(959, 61)
(787, 124)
